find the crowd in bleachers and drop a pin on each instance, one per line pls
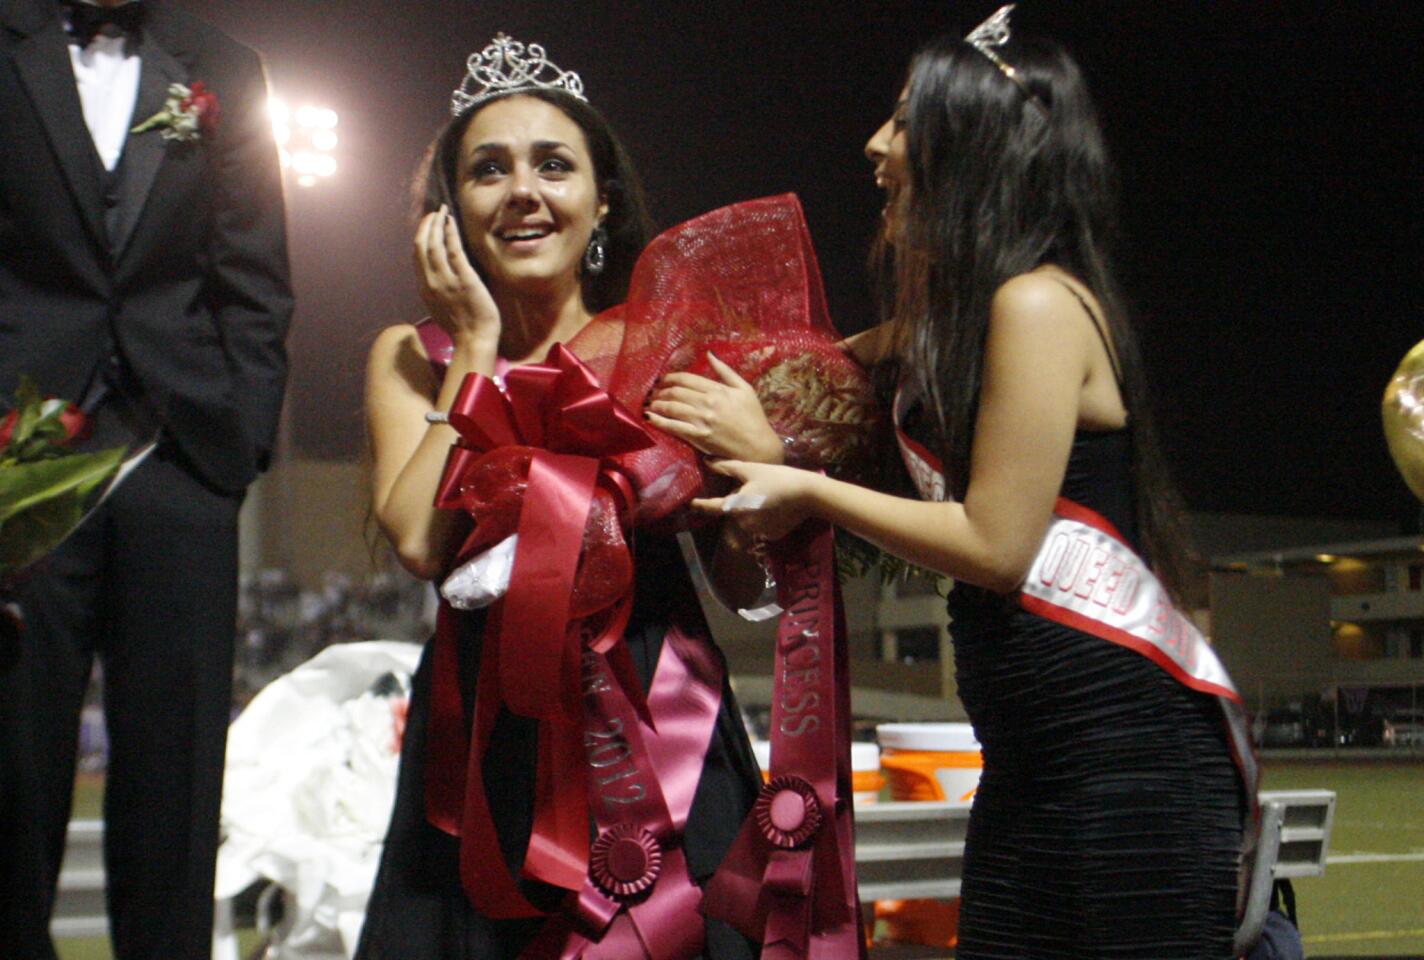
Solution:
(280, 625)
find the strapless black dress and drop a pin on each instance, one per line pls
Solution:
(418, 909)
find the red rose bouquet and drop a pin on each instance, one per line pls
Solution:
(44, 484)
(44, 488)
(741, 282)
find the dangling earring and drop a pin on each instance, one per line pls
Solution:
(596, 256)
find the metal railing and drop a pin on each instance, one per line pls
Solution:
(902, 851)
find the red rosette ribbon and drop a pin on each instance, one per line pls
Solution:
(537, 459)
(788, 812)
(625, 860)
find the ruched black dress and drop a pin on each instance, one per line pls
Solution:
(1108, 820)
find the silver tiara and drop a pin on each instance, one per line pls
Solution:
(508, 66)
(992, 34)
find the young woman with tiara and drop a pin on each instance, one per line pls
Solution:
(1109, 820)
(520, 740)
(574, 769)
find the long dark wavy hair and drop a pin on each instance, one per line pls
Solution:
(998, 187)
(627, 223)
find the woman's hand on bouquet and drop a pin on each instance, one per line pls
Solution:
(721, 418)
(771, 501)
(452, 290)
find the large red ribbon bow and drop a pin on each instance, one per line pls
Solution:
(556, 417)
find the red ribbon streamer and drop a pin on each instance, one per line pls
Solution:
(789, 879)
(530, 660)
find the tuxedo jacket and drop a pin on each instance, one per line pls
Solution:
(173, 268)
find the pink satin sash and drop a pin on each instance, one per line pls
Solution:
(638, 898)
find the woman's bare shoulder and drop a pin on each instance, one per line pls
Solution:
(871, 346)
(1039, 296)
(398, 355)
(394, 340)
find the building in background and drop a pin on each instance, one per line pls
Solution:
(1328, 638)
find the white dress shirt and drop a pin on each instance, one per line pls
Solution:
(107, 74)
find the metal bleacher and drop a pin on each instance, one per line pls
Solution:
(80, 909)
(916, 850)
(909, 851)
(903, 851)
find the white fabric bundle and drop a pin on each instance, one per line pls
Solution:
(311, 776)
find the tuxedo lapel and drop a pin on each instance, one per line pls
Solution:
(42, 61)
(143, 152)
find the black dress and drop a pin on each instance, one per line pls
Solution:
(1108, 820)
(418, 909)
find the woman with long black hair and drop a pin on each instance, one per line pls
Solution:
(1109, 818)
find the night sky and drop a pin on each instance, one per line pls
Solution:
(1270, 158)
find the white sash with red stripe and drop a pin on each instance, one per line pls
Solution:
(1085, 576)
(924, 467)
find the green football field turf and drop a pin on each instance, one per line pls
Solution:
(1370, 904)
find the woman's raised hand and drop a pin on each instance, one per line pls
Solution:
(721, 418)
(453, 292)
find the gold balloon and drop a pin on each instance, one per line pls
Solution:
(1404, 418)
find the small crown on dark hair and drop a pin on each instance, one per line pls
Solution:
(992, 34)
(508, 66)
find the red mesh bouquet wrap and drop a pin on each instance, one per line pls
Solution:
(742, 282)
(559, 457)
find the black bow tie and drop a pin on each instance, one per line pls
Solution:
(87, 19)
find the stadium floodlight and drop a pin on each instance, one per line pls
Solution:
(306, 140)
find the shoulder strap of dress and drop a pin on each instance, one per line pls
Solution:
(1102, 333)
(437, 343)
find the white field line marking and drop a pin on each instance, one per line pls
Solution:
(1335, 858)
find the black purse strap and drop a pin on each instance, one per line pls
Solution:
(1283, 895)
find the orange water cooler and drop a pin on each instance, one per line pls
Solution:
(866, 778)
(927, 761)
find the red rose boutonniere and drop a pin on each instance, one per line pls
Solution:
(190, 113)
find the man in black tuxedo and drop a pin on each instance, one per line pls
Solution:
(144, 273)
